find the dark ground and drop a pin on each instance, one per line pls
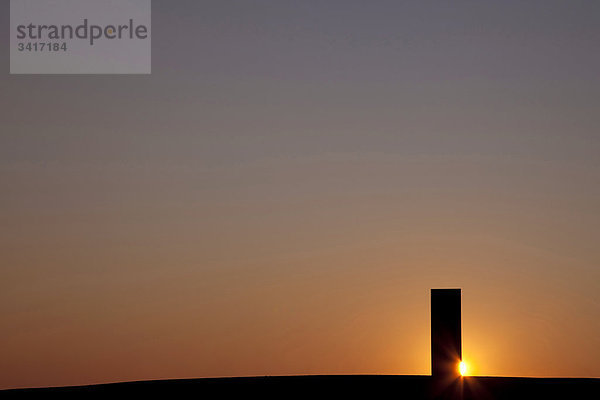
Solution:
(333, 386)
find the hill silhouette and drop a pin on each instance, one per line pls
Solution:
(337, 386)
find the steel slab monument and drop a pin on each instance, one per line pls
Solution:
(446, 348)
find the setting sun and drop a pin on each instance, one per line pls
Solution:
(462, 367)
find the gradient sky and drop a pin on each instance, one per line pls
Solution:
(279, 196)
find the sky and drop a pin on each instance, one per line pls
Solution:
(283, 190)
